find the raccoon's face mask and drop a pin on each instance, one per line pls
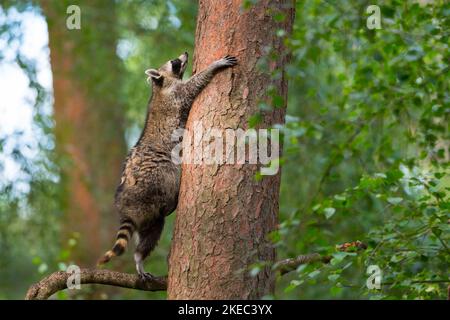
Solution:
(178, 65)
(172, 69)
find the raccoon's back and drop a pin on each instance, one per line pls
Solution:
(149, 179)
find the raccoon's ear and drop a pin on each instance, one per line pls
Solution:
(154, 74)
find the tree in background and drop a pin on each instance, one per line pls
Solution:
(128, 37)
(225, 215)
(89, 120)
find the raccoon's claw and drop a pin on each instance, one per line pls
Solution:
(227, 61)
(146, 276)
(230, 60)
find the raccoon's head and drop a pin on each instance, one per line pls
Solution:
(172, 69)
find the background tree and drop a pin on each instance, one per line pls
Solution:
(225, 215)
(89, 120)
(124, 35)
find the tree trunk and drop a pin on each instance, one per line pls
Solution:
(224, 214)
(88, 121)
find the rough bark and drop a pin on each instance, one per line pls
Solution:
(88, 121)
(224, 214)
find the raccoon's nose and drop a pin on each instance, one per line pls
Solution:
(184, 58)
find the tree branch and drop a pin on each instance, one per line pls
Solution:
(288, 265)
(58, 281)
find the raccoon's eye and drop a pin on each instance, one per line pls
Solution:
(176, 65)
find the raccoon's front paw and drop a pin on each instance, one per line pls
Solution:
(227, 61)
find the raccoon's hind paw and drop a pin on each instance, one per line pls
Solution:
(146, 276)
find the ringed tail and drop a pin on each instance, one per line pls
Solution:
(124, 235)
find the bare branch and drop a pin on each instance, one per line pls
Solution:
(58, 281)
(288, 265)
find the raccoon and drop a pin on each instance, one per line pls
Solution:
(149, 187)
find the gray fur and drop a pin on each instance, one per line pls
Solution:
(150, 182)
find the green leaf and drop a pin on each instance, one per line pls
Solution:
(62, 266)
(340, 197)
(72, 242)
(254, 120)
(43, 268)
(254, 271)
(335, 291)
(301, 267)
(37, 260)
(394, 200)
(292, 285)
(333, 277)
(278, 101)
(279, 16)
(347, 265)
(329, 212)
(338, 257)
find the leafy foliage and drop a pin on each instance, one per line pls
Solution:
(367, 138)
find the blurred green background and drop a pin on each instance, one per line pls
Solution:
(366, 141)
